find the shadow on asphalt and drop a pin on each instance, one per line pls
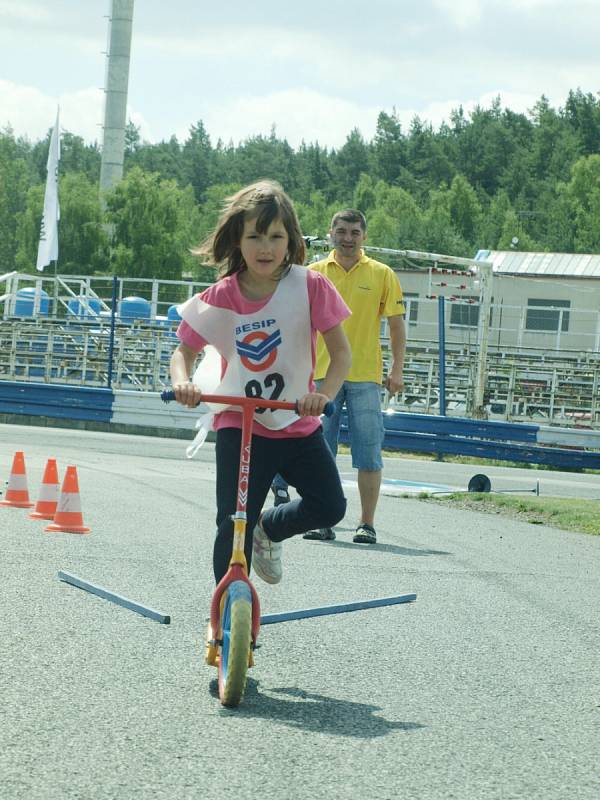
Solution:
(314, 712)
(386, 548)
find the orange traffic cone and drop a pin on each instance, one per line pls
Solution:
(68, 517)
(17, 493)
(45, 508)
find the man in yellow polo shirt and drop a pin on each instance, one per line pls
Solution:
(372, 291)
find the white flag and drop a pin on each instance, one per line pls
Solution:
(48, 246)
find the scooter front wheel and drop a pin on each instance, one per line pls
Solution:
(236, 626)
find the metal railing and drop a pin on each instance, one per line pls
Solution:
(559, 389)
(526, 377)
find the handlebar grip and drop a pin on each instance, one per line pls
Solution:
(329, 409)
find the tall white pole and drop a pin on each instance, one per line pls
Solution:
(117, 81)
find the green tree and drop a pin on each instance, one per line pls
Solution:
(364, 194)
(465, 209)
(396, 220)
(28, 224)
(155, 223)
(439, 236)
(133, 140)
(315, 216)
(582, 112)
(211, 208)
(487, 145)
(587, 227)
(428, 163)
(198, 161)
(512, 230)
(312, 171)
(163, 159)
(511, 162)
(585, 179)
(558, 211)
(347, 165)
(75, 156)
(14, 182)
(82, 243)
(554, 146)
(584, 191)
(264, 157)
(389, 148)
(493, 219)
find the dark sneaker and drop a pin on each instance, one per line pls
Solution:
(365, 534)
(320, 535)
(281, 496)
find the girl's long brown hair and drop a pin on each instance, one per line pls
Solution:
(265, 201)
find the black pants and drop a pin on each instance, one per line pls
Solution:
(305, 462)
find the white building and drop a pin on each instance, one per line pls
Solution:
(540, 301)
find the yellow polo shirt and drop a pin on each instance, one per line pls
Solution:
(372, 291)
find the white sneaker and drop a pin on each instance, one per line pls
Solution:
(266, 556)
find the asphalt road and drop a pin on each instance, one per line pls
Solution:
(486, 688)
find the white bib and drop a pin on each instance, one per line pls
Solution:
(268, 352)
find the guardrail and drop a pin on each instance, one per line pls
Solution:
(568, 448)
(113, 407)
(519, 387)
(31, 399)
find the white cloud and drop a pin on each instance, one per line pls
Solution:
(438, 112)
(463, 13)
(536, 5)
(31, 113)
(281, 52)
(301, 114)
(212, 42)
(22, 11)
(27, 110)
(297, 114)
(467, 13)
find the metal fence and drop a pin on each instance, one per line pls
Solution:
(562, 389)
(74, 332)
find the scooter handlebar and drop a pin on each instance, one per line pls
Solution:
(169, 395)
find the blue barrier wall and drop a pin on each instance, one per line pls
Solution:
(55, 400)
(116, 407)
(419, 433)
(504, 441)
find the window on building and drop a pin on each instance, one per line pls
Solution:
(411, 304)
(545, 315)
(465, 313)
(412, 309)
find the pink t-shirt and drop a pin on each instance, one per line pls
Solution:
(327, 309)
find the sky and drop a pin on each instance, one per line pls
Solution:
(315, 70)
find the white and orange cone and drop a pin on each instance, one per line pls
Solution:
(17, 494)
(45, 508)
(68, 517)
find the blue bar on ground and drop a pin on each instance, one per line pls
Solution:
(418, 484)
(323, 611)
(106, 594)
